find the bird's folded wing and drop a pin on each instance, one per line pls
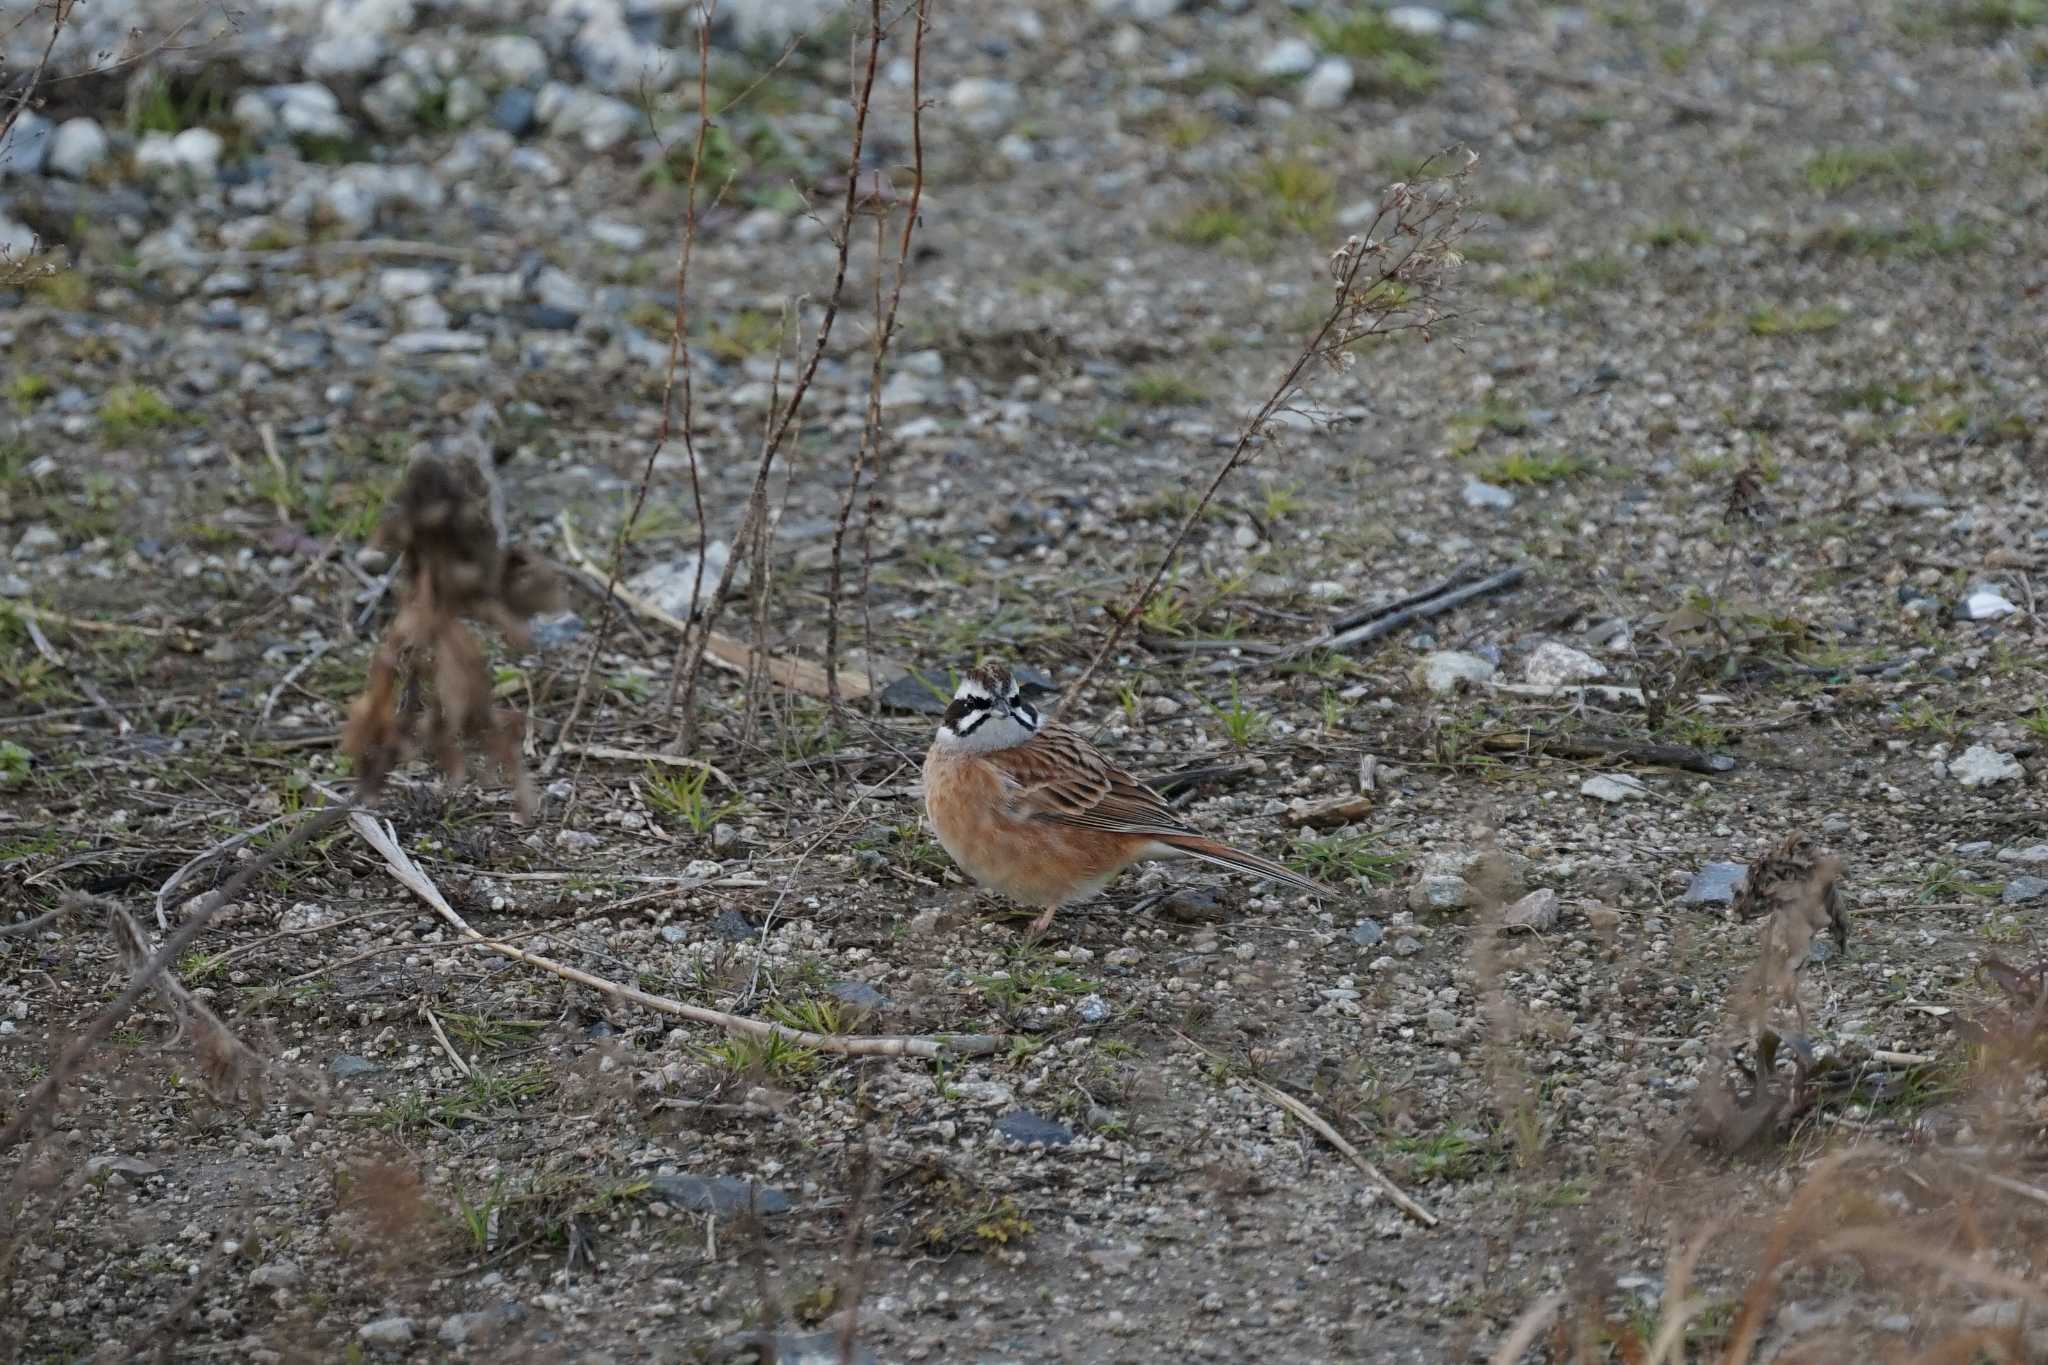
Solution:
(1060, 777)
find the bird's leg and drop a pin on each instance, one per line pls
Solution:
(1041, 924)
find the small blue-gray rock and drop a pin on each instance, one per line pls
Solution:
(557, 630)
(1026, 1127)
(347, 1065)
(1367, 933)
(1714, 884)
(25, 145)
(858, 994)
(1481, 494)
(731, 924)
(723, 1195)
(1091, 1009)
(2020, 890)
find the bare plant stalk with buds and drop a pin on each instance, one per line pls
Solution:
(1392, 278)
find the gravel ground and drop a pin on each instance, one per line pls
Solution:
(1747, 374)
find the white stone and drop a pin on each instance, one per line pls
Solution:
(253, 113)
(1440, 891)
(1980, 765)
(405, 282)
(2034, 853)
(1614, 787)
(772, 23)
(668, 586)
(383, 18)
(557, 288)
(1480, 494)
(17, 240)
(1289, 57)
(393, 103)
(308, 109)
(464, 101)
(983, 104)
(79, 145)
(1552, 664)
(435, 343)
(1445, 669)
(1152, 11)
(1420, 20)
(199, 151)
(424, 314)
(513, 59)
(1984, 604)
(617, 235)
(347, 56)
(599, 122)
(1328, 86)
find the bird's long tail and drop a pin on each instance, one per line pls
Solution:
(1223, 855)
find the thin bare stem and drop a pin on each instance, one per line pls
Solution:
(1388, 280)
(783, 420)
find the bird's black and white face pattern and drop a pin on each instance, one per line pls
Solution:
(989, 711)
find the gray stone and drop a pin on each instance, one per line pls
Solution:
(982, 103)
(436, 343)
(38, 540)
(1715, 884)
(1980, 766)
(276, 1275)
(731, 925)
(723, 1195)
(2020, 890)
(1289, 57)
(1535, 912)
(1614, 787)
(1023, 1126)
(1440, 891)
(858, 994)
(347, 1066)
(1490, 497)
(513, 59)
(78, 145)
(1329, 85)
(1445, 669)
(26, 145)
(1367, 933)
(389, 1333)
(1092, 1009)
(2035, 853)
(393, 103)
(1552, 664)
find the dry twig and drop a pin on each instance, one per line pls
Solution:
(1388, 279)
(382, 839)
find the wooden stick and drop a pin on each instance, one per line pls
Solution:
(385, 842)
(1393, 620)
(1336, 1139)
(442, 1038)
(734, 656)
(177, 633)
(227, 845)
(1596, 746)
(1359, 616)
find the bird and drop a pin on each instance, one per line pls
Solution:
(1798, 884)
(1036, 812)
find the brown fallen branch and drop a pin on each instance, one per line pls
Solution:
(734, 656)
(381, 838)
(1399, 616)
(1458, 578)
(1596, 746)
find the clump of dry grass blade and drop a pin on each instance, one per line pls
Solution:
(1389, 279)
(446, 525)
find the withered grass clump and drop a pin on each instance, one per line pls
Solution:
(446, 526)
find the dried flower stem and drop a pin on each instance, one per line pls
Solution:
(1389, 279)
(782, 420)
